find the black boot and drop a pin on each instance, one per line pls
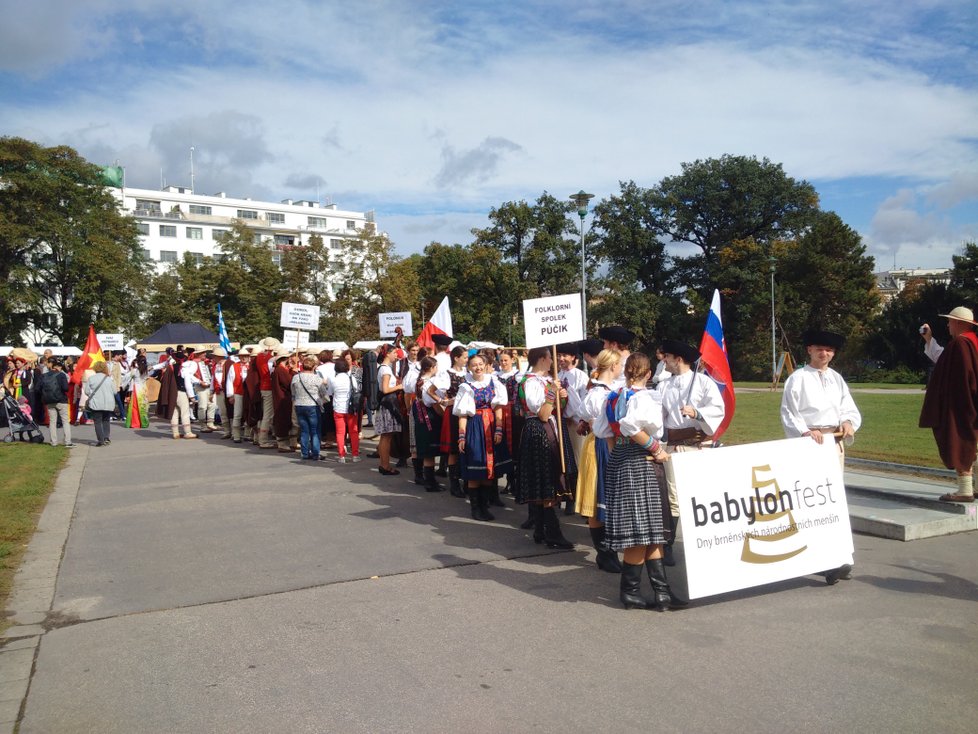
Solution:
(483, 494)
(475, 504)
(418, 471)
(454, 483)
(430, 484)
(539, 531)
(493, 494)
(664, 598)
(668, 558)
(442, 463)
(531, 516)
(631, 587)
(607, 559)
(551, 530)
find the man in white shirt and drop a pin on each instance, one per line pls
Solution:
(816, 402)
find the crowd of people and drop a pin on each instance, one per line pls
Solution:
(593, 433)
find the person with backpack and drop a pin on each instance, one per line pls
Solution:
(54, 396)
(345, 392)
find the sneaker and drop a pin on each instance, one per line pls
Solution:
(69, 445)
(356, 459)
(340, 459)
(107, 441)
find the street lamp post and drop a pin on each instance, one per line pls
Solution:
(581, 200)
(774, 358)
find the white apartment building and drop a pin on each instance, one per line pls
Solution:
(174, 221)
(890, 283)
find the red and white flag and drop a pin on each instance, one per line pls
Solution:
(440, 323)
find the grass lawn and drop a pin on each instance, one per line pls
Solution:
(27, 474)
(889, 430)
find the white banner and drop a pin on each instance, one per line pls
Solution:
(390, 321)
(299, 316)
(110, 342)
(553, 320)
(293, 340)
(760, 513)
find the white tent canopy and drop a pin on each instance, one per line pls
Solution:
(328, 346)
(364, 344)
(56, 351)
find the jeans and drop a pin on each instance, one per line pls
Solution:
(308, 419)
(102, 424)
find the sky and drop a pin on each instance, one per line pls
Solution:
(432, 113)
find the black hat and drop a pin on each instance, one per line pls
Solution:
(617, 334)
(442, 340)
(569, 348)
(591, 347)
(818, 337)
(684, 351)
(179, 356)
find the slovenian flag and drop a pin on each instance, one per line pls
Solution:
(222, 331)
(715, 363)
(441, 323)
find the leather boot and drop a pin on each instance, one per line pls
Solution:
(531, 517)
(454, 483)
(483, 494)
(551, 531)
(668, 558)
(664, 598)
(442, 463)
(607, 559)
(475, 505)
(418, 474)
(630, 587)
(430, 483)
(493, 494)
(539, 532)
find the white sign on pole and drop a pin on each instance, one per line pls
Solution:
(110, 342)
(390, 321)
(553, 320)
(300, 316)
(294, 340)
(761, 512)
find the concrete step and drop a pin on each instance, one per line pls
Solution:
(905, 507)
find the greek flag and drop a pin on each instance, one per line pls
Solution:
(222, 331)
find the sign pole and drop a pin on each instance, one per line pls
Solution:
(560, 423)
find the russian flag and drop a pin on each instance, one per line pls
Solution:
(715, 363)
(440, 323)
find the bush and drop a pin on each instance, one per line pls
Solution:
(896, 376)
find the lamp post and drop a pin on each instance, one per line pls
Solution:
(580, 200)
(774, 358)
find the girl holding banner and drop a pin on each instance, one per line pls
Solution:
(638, 503)
(540, 481)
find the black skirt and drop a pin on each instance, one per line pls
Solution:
(538, 475)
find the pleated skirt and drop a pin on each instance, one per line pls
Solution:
(636, 498)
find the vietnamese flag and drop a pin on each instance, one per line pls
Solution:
(441, 323)
(713, 349)
(91, 354)
(134, 417)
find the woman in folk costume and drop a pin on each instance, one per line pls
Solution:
(539, 480)
(448, 383)
(592, 473)
(138, 373)
(509, 374)
(427, 411)
(638, 504)
(387, 418)
(482, 451)
(410, 387)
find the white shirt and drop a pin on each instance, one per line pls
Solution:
(411, 378)
(465, 399)
(812, 398)
(933, 350)
(705, 397)
(338, 389)
(593, 410)
(326, 370)
(535, 391)
(643, 412)
(576, 390)
(188, 373)
(444, 360)
(661, 373)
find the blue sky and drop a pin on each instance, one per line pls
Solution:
(430, 113)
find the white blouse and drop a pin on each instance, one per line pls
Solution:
(593, 410)
(576, 389)
(465, 399)
(642, 413)
(535, 390)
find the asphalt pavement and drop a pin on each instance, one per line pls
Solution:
(200, 586)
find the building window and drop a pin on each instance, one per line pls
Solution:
(219, 257)
(147, 255)
(146, 206)
(350, 224)
(142, 227)
(247, 214)
(275, 217)
(195, 233)
(317, 222)
(256, 238)
(284, 239)
(217, 234)
(200, 209)
(335, 244)
(196, 257)
(168, 230)
(168, 256)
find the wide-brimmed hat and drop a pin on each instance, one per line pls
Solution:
(270, 343)
(442, 340)
(218, 352)
(591, 347)
(24, 354)
(569, 348)
(961, 313)
(686, 352)
(617, 334)
(822, 338)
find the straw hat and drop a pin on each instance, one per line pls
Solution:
(961, 314)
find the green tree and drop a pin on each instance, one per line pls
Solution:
(66, 248)
(306, 271)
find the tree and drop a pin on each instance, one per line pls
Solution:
(306, 272)
(66, 248)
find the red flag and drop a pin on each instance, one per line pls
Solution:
(134, 417)
(441, 323)
(713, 351)
(91, 355)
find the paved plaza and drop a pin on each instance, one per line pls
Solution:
(198, 586)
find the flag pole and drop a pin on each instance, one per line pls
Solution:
(560, 423)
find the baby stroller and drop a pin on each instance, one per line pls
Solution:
(18, 423)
